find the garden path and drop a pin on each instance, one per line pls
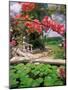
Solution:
(35, 58)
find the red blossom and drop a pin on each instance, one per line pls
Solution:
(25, 17)
(46, 22)
(49, 23)
(28, 24)
(34, 25)
(37, 25)
(13, 43)
(18, 16)
(61, 72)
(28, 6)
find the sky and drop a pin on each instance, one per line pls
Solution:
(15, 8)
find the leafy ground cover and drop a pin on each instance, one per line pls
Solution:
(35, 75)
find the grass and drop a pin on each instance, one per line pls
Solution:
(57, 51)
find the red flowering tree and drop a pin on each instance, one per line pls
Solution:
(30, 24)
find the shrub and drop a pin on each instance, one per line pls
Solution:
(34, 75)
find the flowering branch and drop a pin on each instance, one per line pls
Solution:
(46, 24)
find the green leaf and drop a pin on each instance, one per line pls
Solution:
(12, 81)
(48, 81)
(26, 82)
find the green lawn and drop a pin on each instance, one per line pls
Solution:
(57, 51)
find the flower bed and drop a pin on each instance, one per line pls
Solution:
(36, 75)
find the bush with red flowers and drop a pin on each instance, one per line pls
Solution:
(26, 7)
(29, 21)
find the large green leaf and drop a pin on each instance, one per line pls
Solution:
(34, 75)
(49, 81)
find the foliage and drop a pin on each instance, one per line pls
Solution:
(57, 51)
(36, 41)
(53, 40)
(59, 54)
(60, 9)
(34, 75)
